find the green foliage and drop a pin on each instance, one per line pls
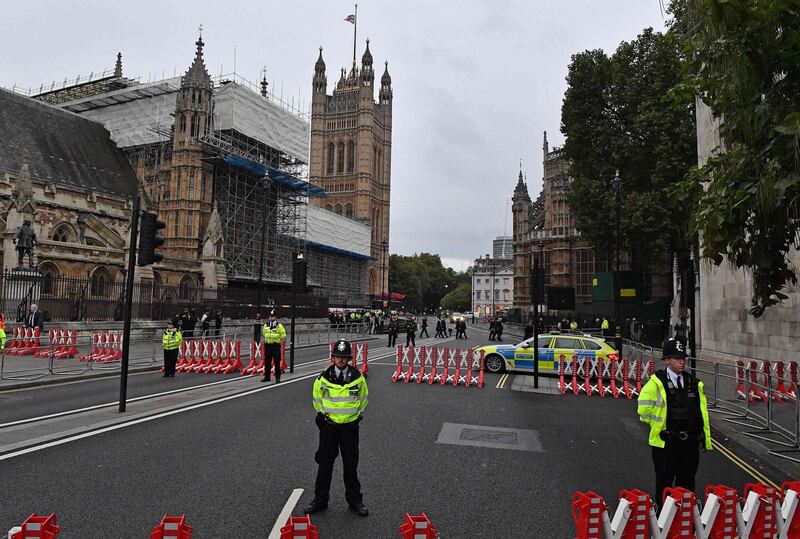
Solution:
(459, 299)
(745, 66)
(423, 279)
(624, 112)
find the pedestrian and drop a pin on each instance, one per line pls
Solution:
(35, 318)
(438, 327)
(339, 397)
(604, 327)
(394, 329)
(424, 327)
(528, 330)
(674, 405)
(274, 334)
(463, 323)
(191, 322)
(498, 329)
(573, 325)
(217, 322)
(171, 341)
(491, 329)
(411, 332)
(205, 322)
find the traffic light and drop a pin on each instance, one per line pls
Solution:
(149, 241)
(300, 275)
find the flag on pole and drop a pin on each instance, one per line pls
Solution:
(351, 19)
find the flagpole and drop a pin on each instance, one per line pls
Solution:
(355, 31)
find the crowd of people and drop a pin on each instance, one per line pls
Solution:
(208, 324)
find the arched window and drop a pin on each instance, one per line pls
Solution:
(101, 282)
(195, 125)
(340, 158)
(348, 210)
(183, 123)
(331, 156)
(49, 273)
(158, 282)
(218, 248)
(338, 209)
(351, 156)
(185, 287)
(63, 233)
(329, 207)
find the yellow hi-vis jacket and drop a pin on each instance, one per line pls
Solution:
(652, 409)
(340, 403)
(172, 339)
(2, 338)
(604, 324)
(274, 335)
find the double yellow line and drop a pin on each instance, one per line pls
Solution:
(501, 383)
(730, 455)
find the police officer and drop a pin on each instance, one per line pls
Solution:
(171, 341)
(394, 329)
(339, 397)
(604, 326)
(274, 334)
(674, 405)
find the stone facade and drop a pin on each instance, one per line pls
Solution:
(726, 329)
(492, 285)
(351, 142)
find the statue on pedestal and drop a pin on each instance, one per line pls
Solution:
(25, 240)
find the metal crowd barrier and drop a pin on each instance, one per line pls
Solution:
(747, 396)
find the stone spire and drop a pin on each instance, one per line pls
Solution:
(197, 75)
(385, 95)
(264, 82)
(366, 60)
(521, 190)
(118, 66)
(545, 146)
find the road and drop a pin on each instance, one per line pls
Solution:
(231, 466)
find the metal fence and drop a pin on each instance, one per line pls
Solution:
(749, 396)
(145, 349)
(65, 298)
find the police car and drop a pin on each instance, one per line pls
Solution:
(519, 357)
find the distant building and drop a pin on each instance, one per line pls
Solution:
(545, 230)
(492, 285)
(503, 248)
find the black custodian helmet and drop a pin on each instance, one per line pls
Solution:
(342, 348)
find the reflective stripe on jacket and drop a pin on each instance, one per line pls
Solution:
(341, 403)
(273, 335)
(172, 339)
(652, 409)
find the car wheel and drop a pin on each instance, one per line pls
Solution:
(494, 363)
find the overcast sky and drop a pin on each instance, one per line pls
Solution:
(475, 82)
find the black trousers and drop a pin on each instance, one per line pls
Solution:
(676, 465)
(392, 338)
(425, 331)
(170, 359)
(332, 440)
(410, 339)
(272, 355)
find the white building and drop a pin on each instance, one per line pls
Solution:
(492, 285)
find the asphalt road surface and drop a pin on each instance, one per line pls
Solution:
(231, 467)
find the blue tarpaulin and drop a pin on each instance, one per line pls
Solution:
(301, 187)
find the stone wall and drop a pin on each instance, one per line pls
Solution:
(727, 331)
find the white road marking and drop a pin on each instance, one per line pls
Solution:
(285, 513)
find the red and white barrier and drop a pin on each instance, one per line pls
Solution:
(764, 512)
(25, 341)
(299, 527)
(209, 356)
(36, 527)
(439, 366)
(63, 344)
(360, 355)
(417, 527)
(784, 390)
(590, 375)
(106, 347)
(172, 528)
(257, 355)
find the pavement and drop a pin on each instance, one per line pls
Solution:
(501, 461)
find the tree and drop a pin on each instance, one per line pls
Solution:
(422, 278)
(745, 68)
(459, 299)
(622, 113)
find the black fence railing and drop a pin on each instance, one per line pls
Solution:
(99, 298)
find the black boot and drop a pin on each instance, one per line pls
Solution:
(314, 507)
(359, 508)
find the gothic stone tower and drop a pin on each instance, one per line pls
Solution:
(351, 140)
(520, 212)
(186, 203)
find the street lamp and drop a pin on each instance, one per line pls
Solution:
(616, 185)
(385, 247)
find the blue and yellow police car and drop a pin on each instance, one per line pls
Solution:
(552, 346)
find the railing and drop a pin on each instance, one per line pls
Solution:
(749, 396)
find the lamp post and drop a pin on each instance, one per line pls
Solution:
(385, 247)
(616, 185)
(493, 273)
